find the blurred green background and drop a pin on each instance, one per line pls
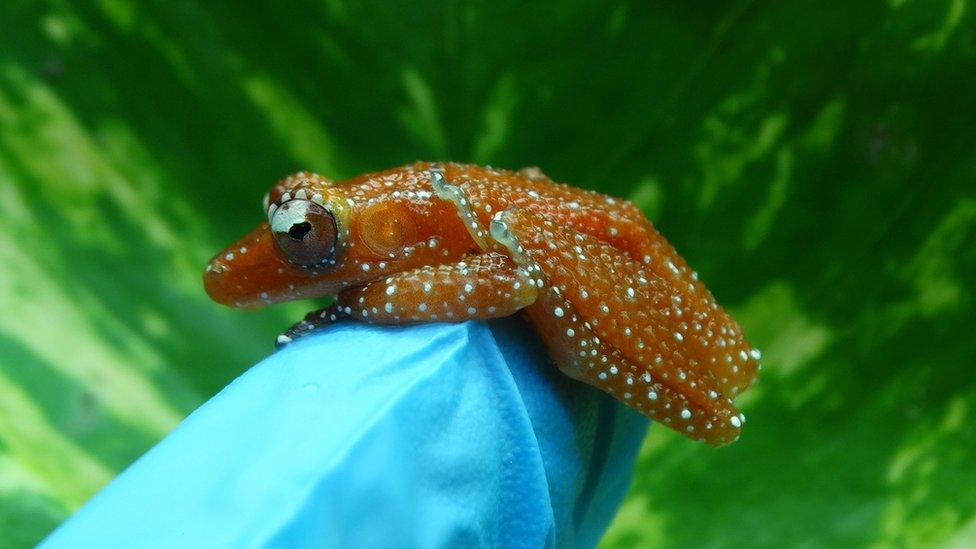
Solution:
(815, 161)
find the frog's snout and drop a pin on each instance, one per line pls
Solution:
(249, 273)
(227, 285)
(252, 273)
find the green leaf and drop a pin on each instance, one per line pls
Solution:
(814, 161)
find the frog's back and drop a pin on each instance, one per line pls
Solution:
(717, 342)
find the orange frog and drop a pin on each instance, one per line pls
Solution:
(614, 303)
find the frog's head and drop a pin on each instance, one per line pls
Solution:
(317, 241)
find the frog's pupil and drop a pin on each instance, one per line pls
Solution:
(299, 230)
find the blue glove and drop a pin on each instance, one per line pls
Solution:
(460, 435)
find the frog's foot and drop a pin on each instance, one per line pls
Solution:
(482, 286)
(645, 340)
(313, 321)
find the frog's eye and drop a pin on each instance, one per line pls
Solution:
(305, 232)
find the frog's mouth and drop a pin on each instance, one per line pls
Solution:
(251, 274)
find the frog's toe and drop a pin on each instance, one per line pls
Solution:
(314, 321)
(297, 331)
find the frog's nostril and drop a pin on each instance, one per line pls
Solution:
(214, 281)
(217, 267)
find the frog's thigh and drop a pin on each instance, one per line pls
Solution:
(660, 322)
(482, 286)
(624, 309)
(582, 355)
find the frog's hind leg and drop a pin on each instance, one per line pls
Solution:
(611, 323)
(581, 354)
(636, 235)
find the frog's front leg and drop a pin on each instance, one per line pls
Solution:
(482, 286)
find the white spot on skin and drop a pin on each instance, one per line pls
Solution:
(390, 290)
(229, 256)
(686, 414)
(735, 421)
(558, 312)
(570, 332)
